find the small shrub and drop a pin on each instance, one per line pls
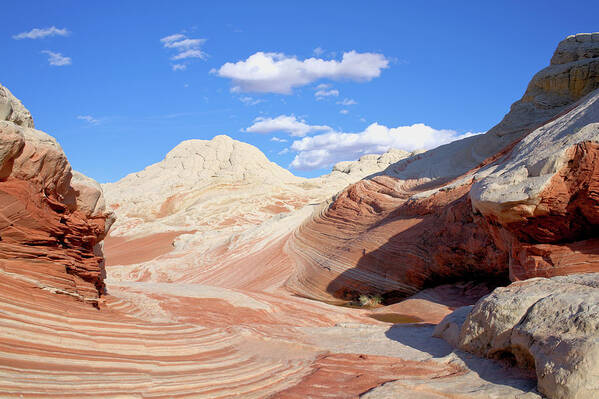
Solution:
(370, 300)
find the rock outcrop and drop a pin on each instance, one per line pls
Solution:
(51, 223)
(548, 325)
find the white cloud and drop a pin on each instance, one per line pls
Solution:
(278, 140)
(284, 123)
(344, 112)
(279, 73)
(326, 149)
(320, 94)
(346, 102)
(88, 118)
(323, 86)
(184, 47)
(247, 100)
(172, 38)
(183, 43)
(37, 33)
(283, 151)
(192, 53)
(57, 59)
(318, 51)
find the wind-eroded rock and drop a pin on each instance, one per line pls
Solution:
(549, 325)
(50, 223)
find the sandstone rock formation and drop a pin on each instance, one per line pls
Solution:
(548, 325)
(214, 189)
(216, 251)
(519, 201)
(51, 223)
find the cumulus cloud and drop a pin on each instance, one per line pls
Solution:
(37, 33)
(284, 123)
(88, 118)
(57, 59)
(184, 48)
(326, 149)
(279, 73)
(346, 102)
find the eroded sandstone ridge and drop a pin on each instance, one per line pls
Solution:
(53, 219)
(519, 201)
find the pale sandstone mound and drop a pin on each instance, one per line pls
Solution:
(414, 225)
(51, 223)
(215, 188)
(548, 325)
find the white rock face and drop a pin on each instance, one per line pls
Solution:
(372, 163)
(533, 163)
(12, 110)
(550, 325)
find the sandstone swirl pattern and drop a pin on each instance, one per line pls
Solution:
(517, 202)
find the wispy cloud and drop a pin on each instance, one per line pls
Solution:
(247, 100)
(344, 112)
(318, 51)
(40, 33)
(346, 102)
(320, 94)
(278, 140)
(88, 119)
(184, 47)
(191, 53)
(279, 73)
(284, 123)
(57, 59)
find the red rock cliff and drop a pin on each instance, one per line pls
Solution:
(51, 219)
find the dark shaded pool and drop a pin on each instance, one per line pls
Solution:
(395, 318)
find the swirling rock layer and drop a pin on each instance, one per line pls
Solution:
(528, 209)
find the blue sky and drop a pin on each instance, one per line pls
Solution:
(120, 83)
